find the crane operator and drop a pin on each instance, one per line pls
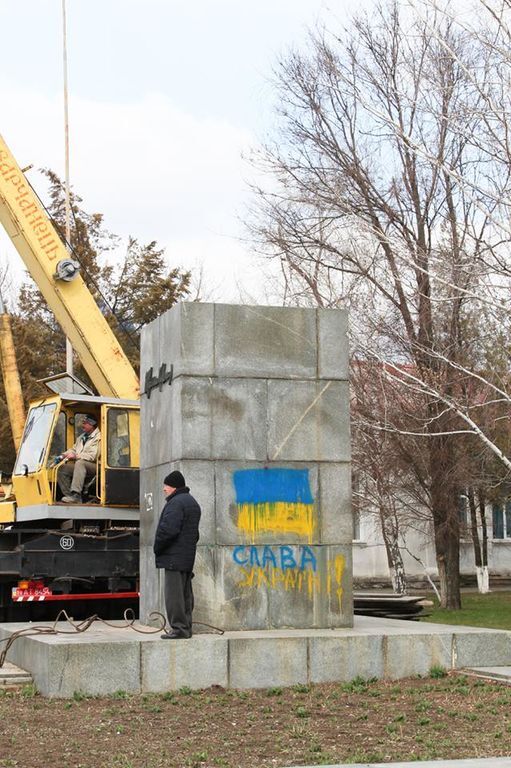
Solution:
(81, 462)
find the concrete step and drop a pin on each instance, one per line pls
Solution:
(110, 658)
(12, 677)
(499, 674)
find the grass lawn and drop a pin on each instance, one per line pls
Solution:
(491, 610)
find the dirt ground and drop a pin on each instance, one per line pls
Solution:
(415, 719)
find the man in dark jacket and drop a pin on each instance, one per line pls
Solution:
(175, 545)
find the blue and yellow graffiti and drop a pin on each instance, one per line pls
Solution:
(289, 568)
(282, 557)
(274, 501)
(280, 501)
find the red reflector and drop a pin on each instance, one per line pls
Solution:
(31, 593)
(21, 595)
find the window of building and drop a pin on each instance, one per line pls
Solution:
(502, 521)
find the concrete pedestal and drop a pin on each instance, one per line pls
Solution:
(256, 417)
(106, 659)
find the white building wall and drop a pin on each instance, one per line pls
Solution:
(370, 557)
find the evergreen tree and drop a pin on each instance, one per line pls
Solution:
(130, 293)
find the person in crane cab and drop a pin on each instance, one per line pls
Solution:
(81, 462)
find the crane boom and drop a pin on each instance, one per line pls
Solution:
(39, 245)
(11, 377)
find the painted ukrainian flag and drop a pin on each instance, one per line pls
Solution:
(274, 501)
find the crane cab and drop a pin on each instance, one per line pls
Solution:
(52, 427)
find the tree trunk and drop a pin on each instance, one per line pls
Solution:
(448, 562)
(446, 522)
(485, 574)
(484, 528)
(390, 531)
(481, 569)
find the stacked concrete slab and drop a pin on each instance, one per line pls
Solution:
(256, 393)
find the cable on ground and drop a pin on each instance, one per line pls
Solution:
(81, 626)
(85, 624)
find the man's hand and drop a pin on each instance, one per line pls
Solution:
(69, 455)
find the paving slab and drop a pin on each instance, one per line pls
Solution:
(109, 658)
(502, 674)
(11, 675)
(484, 762)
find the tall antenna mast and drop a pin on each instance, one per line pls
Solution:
(69, 348)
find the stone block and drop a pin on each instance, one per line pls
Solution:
(190, 414)
(31, 654)
(333, 357)
(60, 667)
(149, 348)
(265, 342)
(267, 531)
(308, 421)
(186, 339)
(487, 648)
(224, 593)
(160, 429)
(149, 356)
(261, 663)
(150, 503)
(344, 657)
(297, 595)
(200, 478)
(207, 588)
(119, 664)
(339, 597)
(239, 419)
(196, 663)
(408, 655)
(335, 503)
(152, 586)
(220, 419)
(251, 587)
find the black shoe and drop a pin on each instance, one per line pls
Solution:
(173, 636)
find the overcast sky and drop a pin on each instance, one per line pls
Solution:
(165, 96)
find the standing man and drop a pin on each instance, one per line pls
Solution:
(81, 461)
(175, 545)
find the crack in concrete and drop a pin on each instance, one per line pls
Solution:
(61, 680)
(304, 414)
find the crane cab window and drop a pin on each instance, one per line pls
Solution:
(58, 441)
(35, 439)
(118, 438)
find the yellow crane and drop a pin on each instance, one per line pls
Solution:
(56, 275)
(11, 377)
(69, 543)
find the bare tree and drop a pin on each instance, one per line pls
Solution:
(392, 483)
(384, 189)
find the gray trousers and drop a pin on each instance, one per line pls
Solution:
(179, 601)
(72, 475)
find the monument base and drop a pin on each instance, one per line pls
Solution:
(104, 659)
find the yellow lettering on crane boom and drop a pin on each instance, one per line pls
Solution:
(39, 245)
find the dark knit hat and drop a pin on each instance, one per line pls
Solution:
(175, 480)
(90, 419)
